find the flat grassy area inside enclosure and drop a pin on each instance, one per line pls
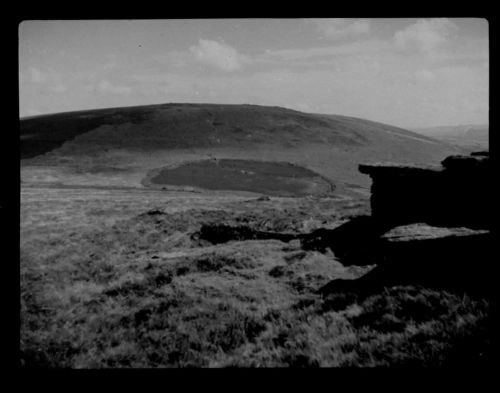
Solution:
(272, 178)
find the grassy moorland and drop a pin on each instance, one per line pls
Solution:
(115, 274)
(128, 143)
(118, 278)
(470, 138)
(185, 126)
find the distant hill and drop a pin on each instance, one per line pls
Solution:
(471, 137)
(139, 139)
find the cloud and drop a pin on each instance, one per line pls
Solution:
(50, 79)
(425, 35)
(315, 56)
(58, 88)
(106, 87)
(424, 76)
(339, 27)
(37, 76)
(218, 55)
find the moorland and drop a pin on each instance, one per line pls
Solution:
(114, 271)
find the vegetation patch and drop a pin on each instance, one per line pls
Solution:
(45, 133)
(346, 331)
(213, 262)
(271, 178)
(139, 291)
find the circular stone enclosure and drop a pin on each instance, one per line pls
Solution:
(263, 177)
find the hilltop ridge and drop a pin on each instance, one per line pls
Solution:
(121, 145)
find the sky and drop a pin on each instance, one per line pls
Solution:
(409, 73)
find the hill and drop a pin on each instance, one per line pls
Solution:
(114, 272)
(120, 146)
(470, 137)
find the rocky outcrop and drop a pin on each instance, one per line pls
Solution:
(456, 194)
(455, 259)
(353, 243)
(429, 226)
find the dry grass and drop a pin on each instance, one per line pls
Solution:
(113, 278)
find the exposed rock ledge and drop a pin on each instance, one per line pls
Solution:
(429, 226)
(456, 194)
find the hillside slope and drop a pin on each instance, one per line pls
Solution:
(469, 137)
(118, 146)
